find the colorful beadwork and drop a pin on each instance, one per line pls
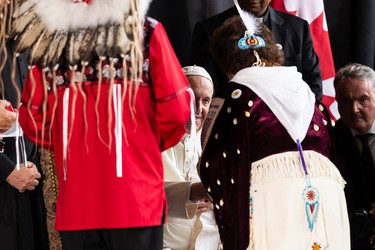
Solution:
(311, 198)
(251, 42)
(316, 246)
(310, 194)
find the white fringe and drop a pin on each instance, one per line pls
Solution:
(288, 164)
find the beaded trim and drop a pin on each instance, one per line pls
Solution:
(310, 194)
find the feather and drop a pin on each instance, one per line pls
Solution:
(29, 36)
(122, 41)
(21, 21)
(39, 48)
(87, 44)
(116, 41)
(111, 40)
(73, 45)
(249, 20)
(70, 47)
(55, 49)
(81, 46)
(22, 7)
(100, 46)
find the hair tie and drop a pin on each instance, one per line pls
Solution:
(251, 42)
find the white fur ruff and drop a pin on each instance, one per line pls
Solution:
(67, 15)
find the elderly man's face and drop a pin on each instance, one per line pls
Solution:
(356, 104)
(203, 91)
(256, 7)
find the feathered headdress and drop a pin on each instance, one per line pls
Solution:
(77, 31)
(47, 26)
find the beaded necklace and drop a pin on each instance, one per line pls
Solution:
(310, 194)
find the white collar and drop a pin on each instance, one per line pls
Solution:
(285, 93)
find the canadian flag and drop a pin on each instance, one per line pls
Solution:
(313, 12)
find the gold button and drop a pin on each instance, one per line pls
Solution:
(221, 202)
(236, 93)
(316, 127)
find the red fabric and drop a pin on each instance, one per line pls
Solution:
(92, 196)
(165, 65)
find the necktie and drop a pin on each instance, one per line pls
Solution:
(368, 164)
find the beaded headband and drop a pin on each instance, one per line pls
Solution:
(250, 41)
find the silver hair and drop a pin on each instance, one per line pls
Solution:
(355, 71)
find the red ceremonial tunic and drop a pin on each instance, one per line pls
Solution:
(104, 182)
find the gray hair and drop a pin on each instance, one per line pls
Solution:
(355, 71)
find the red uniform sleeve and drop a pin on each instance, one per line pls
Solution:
(170, 87)
(34, 122)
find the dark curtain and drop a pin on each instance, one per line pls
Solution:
(179, 17)
(174, 17)
(351, 25)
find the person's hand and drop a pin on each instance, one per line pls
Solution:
(7, 118)
(204, 206)
(26, 178)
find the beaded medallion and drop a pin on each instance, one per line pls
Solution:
(311, 197)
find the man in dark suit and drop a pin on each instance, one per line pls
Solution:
(355, 94)
(291, 32)
(22, 212)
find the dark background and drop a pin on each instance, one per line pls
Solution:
(351, 26)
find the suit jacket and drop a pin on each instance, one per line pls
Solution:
(357, 194)
(22, 215)
(292, 32)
